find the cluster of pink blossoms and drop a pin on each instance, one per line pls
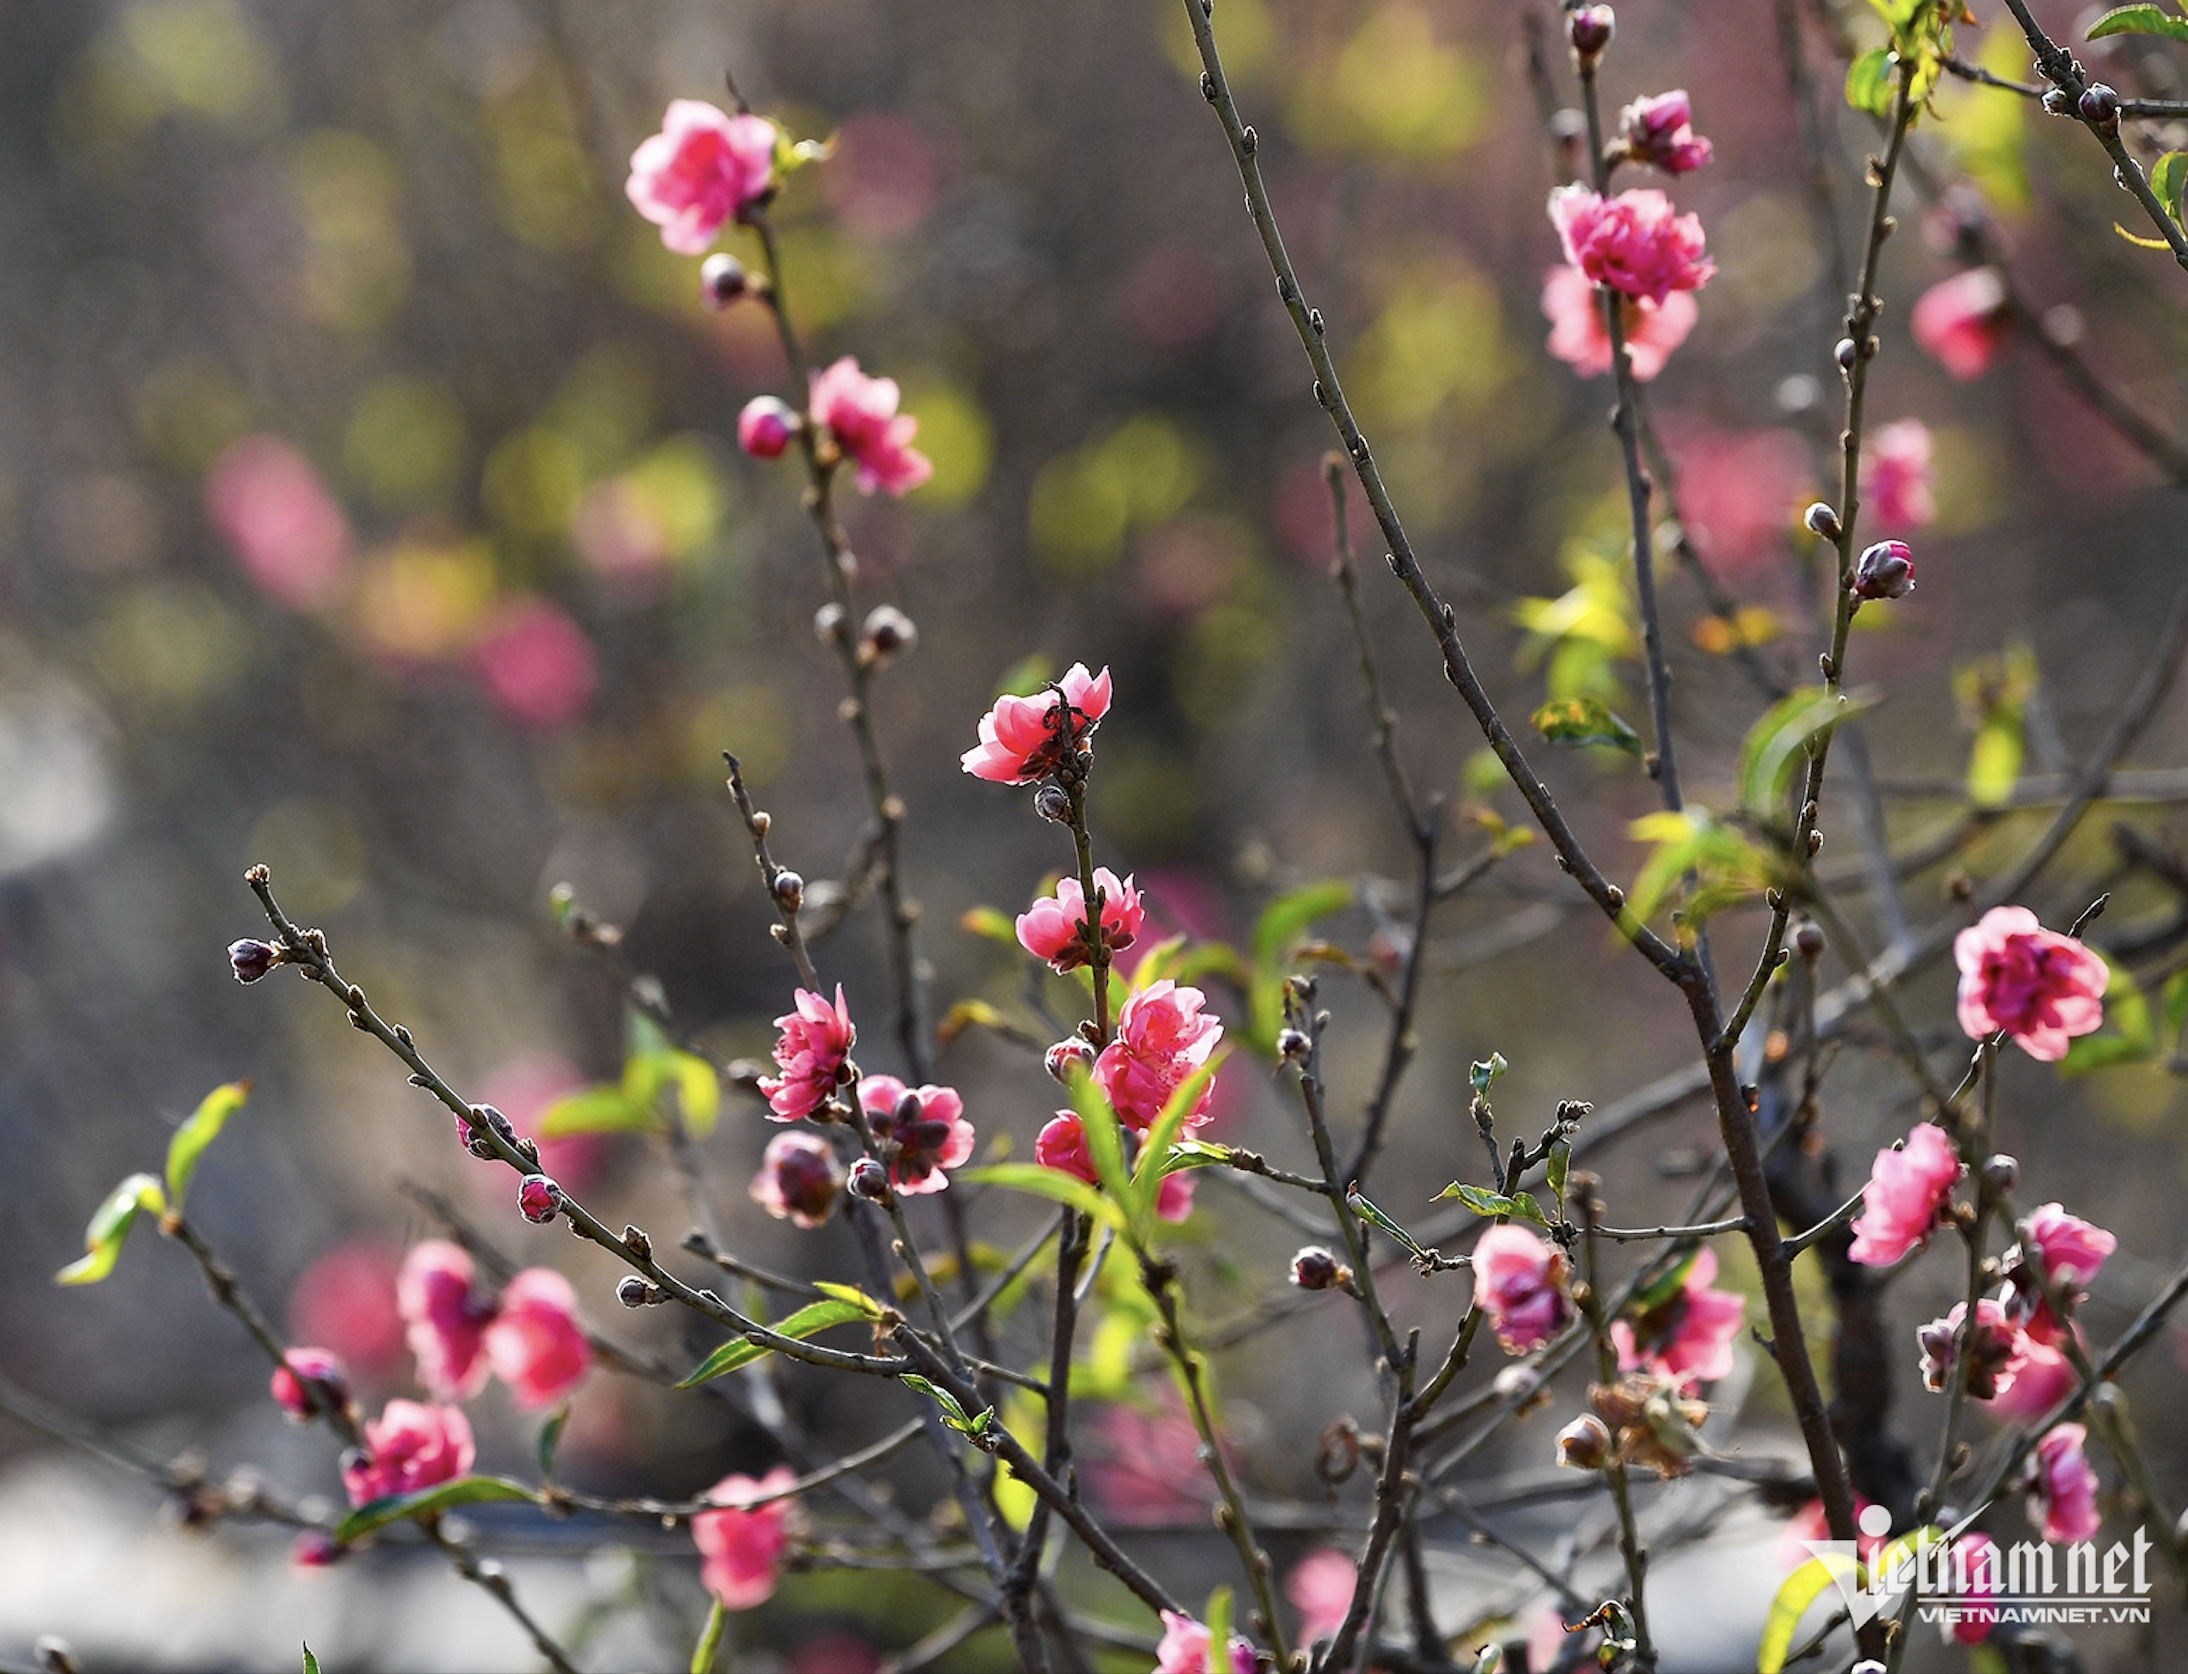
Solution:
(1025, 739)
(921, 1131)
(743, 1545)
(410, 1447)
(529, 1337)
(1055, 927)
(1659, 131)
(799, 1179)
(2032, 984)
(1520, 1283)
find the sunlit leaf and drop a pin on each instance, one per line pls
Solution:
(202, 1128)
(1795, 1594)
(1869, 82)
(710, 1638)
(1051, 1183)
(809, 1320)
(1280, 924)
(1778, 742)
(2139, 20)
(394, 1508)
(1585, 720)
(110, 1224)
(593, 1110)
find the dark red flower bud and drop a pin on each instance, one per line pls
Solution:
(1314, 1268)
(2100, 108)
(539, 1197)
(1590, 28)
(635, 1292)
(888, 633)
(1053, 802)
(722, 280)
(316, 1549)
(251, 960)
(789, 890)
(1808, 939)
(1885, 571)
(870, 1182)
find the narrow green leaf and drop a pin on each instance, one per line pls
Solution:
(593, 1110)
(953, 1414)
(1477, 1198)
(394, 1508)
(2175, 1001)
(2129, 1035)
(203, 1127)
(1795, 1594)
(1367, 1211)
(1527, 1209)
(2138, 239)
(1155, 1143)
(1777, 743)
(1279, 925)
(994, 926)
(852, 1294)
(2168, 175)
(1483, 1075)
(311, 1663)
(550, 1440)
(1218, 1618)
(814, 1317)
(2139, 20)
(1561, 1163)
(1586, 720)
(1051, 1183)
(1104, 1136)
(710, 1639)
(1195, 1153)
(110, 1224)
(1664, 1286)
(1869, 82)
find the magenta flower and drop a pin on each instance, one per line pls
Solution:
(535, 1343)
(2063, 1499)
(1977, 1574)
(1054, 927)
(2034, 984)
(1689, 1338)
(1520, 1283)
(1320, 1588)
(1188, 1647)
(1895, 477)
(1062, 1145)
(444, 1318)
(799, 1179)
(743, 1550)
(1659, 131)
(1962, 320)
(322, 1366)
(765, 426)
(921, 1131)
(2044, 1378)
(1163, 1038)
(409, 1447)
(1884, 571)
(861, 414)
(536, 664)
(816, 1039)
(1027, 738)
(1907, 1189)
(272, 508)
(1632, 242)
(1579, 336)
(2072, 1250)
(703, 168)
(1995, 1349)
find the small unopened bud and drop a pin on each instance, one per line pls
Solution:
(1293, 1046)
(1823, 521)
(1060, 1057)
(1844, 354)
(635, 1292)
(2001, 1173)
(1885, 571)
(766, 426)
(317, 1549)
(888, 633)
(1585, 1443)
(789, 890)
(1314, 1268)
(828, 624)
(1053, 802)
(2100, 108)
(2056, 101)
(251, 960)
(722, 280)
(1590, 29)
(870, 1182)
(539, 1198)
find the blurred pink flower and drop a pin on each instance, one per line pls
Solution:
(1995, 1349)
(534, 1343)
(1659, 131)
(322, 1366)
(2063, 1499)
(799, 1178)
(884, 175)
(835, 1653)
(536, 664)
(1025, 738)
(1163, 1038)
(1633, 242)
(922, 1131)
(1520, 1283)
(1962, 320)
(1320, 1589)
(1907, 1189)
(409, 1447)
(1173, 297)
(816, 1038)
(1740, 495)
(743, 1550)
(1579, 336)
(521, 1090)
(1895, 477)
(2036, 985)
(1062, 1145)
(1054, 927)
(1688, 1339)
(1188, 1647)
(703, 168)
(1145, 1467)
(861, 414)
(1810, 1524)
(1974, 1565)
(446, 1319)
(272, 508)
(346, 1300)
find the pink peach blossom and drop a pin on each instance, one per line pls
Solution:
(1907, 1188)
(2063, 1499)
(703, 168)
(1520, 1283)
(1163, 1038)
(273, 509)
(536, 664)
(1579, 336)
(1062, 1145)
(1632, 242)
(1145, 1467)
(1690, 1337)
(346, 1300)
(861, 414)
(1023, 739)
(1054, 927)
(534, 1343)
(1740, 493)
(1895, 477)
(816, 1038)
(2044, 1378)
(2033, 984)
(321, 1366)
(1659, 131)
(799, 1179)
(1974, 1564)
(446, 1319)
(1188, 1647)
(1320, 1588)
(1995, 1349)
(744, 1550)
(921, 1131)
(409, 1447)
(1962, 320)
(2072, 1250)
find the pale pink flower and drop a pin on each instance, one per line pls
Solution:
(816, 1038)
(2034, 984)
(921, 1131)
(1163, 1038)
(270, 505)
(536, 664)
(1054, 927)
(322, 1367)
(1907, 1189)
(446, 1319)
(2072, 1249)
(1062, 1145)
(2063, 1498)
(1188, 1647)
(1895, 477)
(861, 414)
(535, 1343)
(1027, 738)
(703, 168)
(346, 1300)
(2044, 1378)
(409, 1447)
(1995, 1349)
(1962, 320)
(1659, 131)
(1578, 335)
(1633, 242)
(1689, 1338)
(744, 1550)
(1520, 1283)
(1320, 1588)
(799, 1179)
(1145, 1467)
(1976, 1573)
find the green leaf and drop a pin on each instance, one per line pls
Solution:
(550, 1440)
(1104, 1136)
(814, 1317)
(2168, 176)
(1665, 1285)
(311, 1663)
(1051, 1183)
(394, 1508)
(1527, 1209)
(1585, 720)
(1994, 763)
(1795, 1594)
(856, 1297)
(1483, 1075)
(1561, 1163)
(953, 1414)
(710, 1639)
(995, 926)
(1218, 1618)
(1869, 82)
(1777, 743)
(203, 1127)
(1195, 1153)
(2139, 20)
(2129, 1035)
(1155, 1143)
(1477, 1198)
(1281, 922)
(110, 1224)
(593, 1110)
(1367, 1211)
(2175, 1001)
(1727, 866)
(2138, 239)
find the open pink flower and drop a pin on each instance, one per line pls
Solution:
(1907, 1189)
(743, 1550)
(1520, 1283)
(1320, 1588)
(1163, 1038)
(1054, 927)
(409, 1447)
(1895, 477)
(816, 1038)
(1188, 1647)
(1659, 131)
(1976, 1573)
(861, 414)
(321, 1366)
(1962, 320)
(1995, 1349)
(2072, 1251)
(1027, 738)
(1579, 336)
(535, 1343)
(1633, 242)
(2036, 985)
(922, 1131)
(1688, 1338)
(273, 509)
(2063, 1499)
(1062, 1145)
(799, 1178)
(2044, 1378)
(703, 168)
(445, 1319)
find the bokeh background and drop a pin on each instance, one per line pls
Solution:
(369, 507)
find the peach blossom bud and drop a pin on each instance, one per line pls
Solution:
(1584, 1444)
(722, 280)
(1590, 29)
(766, 426)
(539, 1198)
(251, 960)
